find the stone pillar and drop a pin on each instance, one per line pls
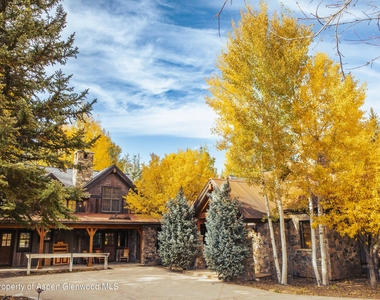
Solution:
(249, 265)
(149, 256)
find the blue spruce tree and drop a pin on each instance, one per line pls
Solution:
(179, 237)
(226, 248)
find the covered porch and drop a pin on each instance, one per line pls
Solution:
(126, 240)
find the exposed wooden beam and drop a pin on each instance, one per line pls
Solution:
(41, 232)
(91, 232)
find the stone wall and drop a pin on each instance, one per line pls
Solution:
(263, 251)
(344, 256)
(149, 255)
(249, 264)
(344, 253)
(302, 263)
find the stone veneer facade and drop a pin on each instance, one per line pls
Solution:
(263, 252)
(83, 167)
(344, 253)
(149, 255)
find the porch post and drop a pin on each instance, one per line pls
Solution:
(41, 232)
(139, 230)
(91, 232)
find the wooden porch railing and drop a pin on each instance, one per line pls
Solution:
(70, 256)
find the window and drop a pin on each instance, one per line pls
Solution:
(305, 232)
(111, 199)
(122, 239)
(158, 230)
(109, 238)
(24, 241)
(72, 205)
(6, 239)
(97, 243)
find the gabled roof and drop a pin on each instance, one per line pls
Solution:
(250, 199)
(66, 177)
(104, 173)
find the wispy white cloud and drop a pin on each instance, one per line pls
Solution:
(146, 62)
(137, 60)
(182, 121)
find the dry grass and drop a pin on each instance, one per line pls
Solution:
(358, 287)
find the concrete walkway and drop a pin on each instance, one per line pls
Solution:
(135, 282)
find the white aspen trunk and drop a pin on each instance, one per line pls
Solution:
(324, 254)
(376, 261)
(272, 238)
(313, 244)
(284, 276)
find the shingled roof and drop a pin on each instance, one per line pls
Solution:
(66, 177)
(250, 199)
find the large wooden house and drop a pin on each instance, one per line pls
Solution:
(103, 223)
(344, 253)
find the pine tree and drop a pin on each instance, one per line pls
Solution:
(179, 238)
(133, 167)
(34, 107)
(226, 248)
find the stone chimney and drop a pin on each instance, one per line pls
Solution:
(83, 167)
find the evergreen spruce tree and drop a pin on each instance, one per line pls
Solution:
(226, 248)
(34, 107)
(134, 167)
(179, 237)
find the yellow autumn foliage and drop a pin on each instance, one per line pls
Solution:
(106, 152)
(161, 180)
(253, 92)
(328, 116)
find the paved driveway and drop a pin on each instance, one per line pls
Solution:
(134, 282)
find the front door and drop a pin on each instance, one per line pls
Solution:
(6, 248)
(110, 245)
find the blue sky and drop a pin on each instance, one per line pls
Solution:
(146, 62)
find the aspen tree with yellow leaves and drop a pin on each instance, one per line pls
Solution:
(161, 180)
(356, 202)
(353, 201)
(106, 152)
(328, 117)
(253, 95)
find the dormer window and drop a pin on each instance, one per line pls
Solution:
(111, 199)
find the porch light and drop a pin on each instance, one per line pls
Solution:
(39, 291)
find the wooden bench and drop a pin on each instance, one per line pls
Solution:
(69, 256)
(60, 248)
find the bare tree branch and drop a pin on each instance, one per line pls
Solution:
(217, 16)
(345, 18)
